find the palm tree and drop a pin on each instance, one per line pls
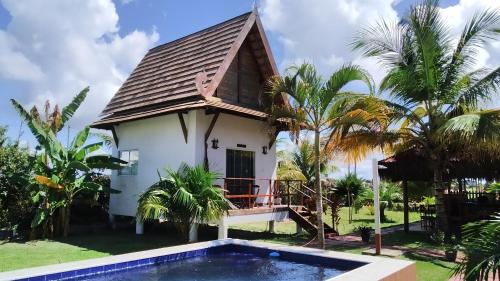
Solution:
(481, 249)
(349, 188)
(434, 92)
(299, 163)
(321, 107)
(186, 196)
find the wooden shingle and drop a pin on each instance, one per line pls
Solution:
(165, 79)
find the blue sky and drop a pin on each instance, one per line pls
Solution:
(54, 53)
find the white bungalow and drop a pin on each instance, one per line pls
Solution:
(200, 100)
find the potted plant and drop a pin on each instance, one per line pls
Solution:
(365, 232)
(450, 252)
(451, 249)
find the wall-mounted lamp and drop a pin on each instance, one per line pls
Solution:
(215, 143)
(264, 149)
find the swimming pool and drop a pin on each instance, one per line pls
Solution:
(229, 259)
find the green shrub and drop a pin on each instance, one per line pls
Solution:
(370, 210)
(16, 208)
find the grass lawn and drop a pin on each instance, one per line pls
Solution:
(15, 255)
(428, 269)
(394, 218)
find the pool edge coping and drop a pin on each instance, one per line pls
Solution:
(377, 268)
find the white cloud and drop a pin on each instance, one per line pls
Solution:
(456, 17)
(61, 46)
(13, 64)
(321, 31)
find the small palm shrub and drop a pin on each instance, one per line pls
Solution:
(184, 197)
(481, 247)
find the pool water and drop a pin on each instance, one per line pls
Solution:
(225, 266)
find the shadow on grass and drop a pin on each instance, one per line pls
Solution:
(124, 240)
(410, 239)
(436, 261)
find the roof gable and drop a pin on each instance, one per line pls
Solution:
(190, 68)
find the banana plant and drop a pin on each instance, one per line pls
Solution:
(64, 172)
(61, 172)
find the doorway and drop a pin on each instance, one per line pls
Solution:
(240, 165)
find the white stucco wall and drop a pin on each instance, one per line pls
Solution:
(232, 130)
(160, 143)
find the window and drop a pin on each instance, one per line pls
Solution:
(132, 158)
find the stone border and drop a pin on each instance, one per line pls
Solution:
(376, 268)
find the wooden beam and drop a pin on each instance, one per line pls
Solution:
(115, 136)
(233, 51)
(273, 140)
(183, 126)
(207, 135)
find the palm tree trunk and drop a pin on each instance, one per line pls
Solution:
(441, 218)
(319, 201)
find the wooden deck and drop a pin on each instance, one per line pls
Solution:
(263, 210)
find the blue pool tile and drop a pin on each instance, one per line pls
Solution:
(96, 270)
(54, 276)
(68, 274)
(83, 272)
(109, 267)
(132, 264)
(121, 265)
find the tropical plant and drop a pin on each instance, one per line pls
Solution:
(299, 163)
(16, 208)
(389, 194)
(61, 172)
(481, 250)
(435, 92)
(65, 172)
(494, 188)
(349, 188)
(321, 107)
(185, 197)
(428, 200)
(52, 119)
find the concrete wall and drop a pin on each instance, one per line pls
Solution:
(160, 142)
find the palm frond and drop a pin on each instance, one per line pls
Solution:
(481, 126)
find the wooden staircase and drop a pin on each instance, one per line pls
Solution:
(307, 220)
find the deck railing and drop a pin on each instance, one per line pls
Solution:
(465, 206)
(246, 193)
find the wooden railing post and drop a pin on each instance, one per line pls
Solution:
(249, 193)
(288, 191)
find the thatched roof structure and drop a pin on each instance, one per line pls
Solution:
(412, 165)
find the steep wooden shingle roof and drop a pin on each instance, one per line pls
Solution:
(182, 74)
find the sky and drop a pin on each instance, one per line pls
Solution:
(51, 49)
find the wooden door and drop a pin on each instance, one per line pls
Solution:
(240, 164)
